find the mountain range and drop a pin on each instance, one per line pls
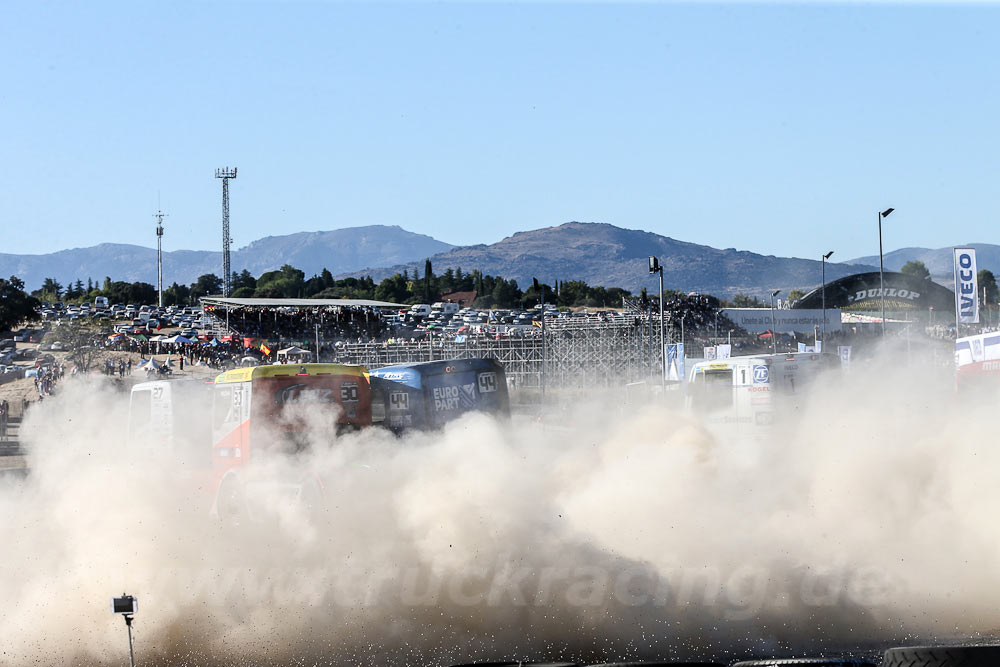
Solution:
(602, 254)
(939, 261)
(597, 253)
(339, 250)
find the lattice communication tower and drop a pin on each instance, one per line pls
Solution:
(225, 174)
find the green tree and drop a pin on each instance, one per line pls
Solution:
(430, 290)
(506, 293)
(795, 294)
(206, 285)
(176, 295)
(988, 282)
(50, 290)
(16, 306)
(744, 301)
(140, 293)
(327, 278)
(572, 293)
(242, 279)
(118, 291)
(393, 290)
(313, 286)
(287, 282)
(916, 268)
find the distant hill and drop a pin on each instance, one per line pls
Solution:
(602, 254)
(938, 260)
(339, 250)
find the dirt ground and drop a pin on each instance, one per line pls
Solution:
(18, 390)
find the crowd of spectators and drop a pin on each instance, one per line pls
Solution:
(296, 325)
(700, 315)
(218, 355)
(46, 377)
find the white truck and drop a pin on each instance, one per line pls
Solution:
(749, 392)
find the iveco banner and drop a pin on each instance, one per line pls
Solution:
(966, 286)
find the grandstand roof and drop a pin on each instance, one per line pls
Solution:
(862, 291)
(219, 301)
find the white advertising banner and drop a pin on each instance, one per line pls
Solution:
(966, 286)
(723, 351)
(802, 320)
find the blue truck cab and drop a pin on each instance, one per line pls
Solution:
(428, 395)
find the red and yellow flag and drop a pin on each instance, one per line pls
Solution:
(265, 349)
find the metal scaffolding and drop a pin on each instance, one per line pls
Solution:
(579, 354)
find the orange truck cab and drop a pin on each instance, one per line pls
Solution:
(280, 409)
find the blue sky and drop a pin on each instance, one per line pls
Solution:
(776, 128)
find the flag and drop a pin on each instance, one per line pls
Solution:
(265, 349)
(966, 286)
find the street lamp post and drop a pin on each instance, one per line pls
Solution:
(540, 289)
(655, 267)
(881, 270)
(823, 262)
(774, 334)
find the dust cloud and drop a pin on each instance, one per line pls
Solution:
(603, 532)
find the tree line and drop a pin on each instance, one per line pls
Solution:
(290, 282)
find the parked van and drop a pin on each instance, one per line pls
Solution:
(445, 308)
(420, 310)
(101, 302)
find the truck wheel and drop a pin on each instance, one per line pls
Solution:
(230, 503)
(942, 656)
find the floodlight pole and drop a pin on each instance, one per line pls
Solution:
(774, 334)
(656, 267)
(543, 339)
(824, 258)
(881, 270)
(159, 256)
